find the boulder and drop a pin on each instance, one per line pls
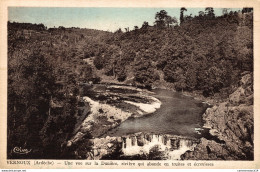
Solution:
(109, 145)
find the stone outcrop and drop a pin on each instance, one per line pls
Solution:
(105, 146)
(101, 118)
(232, 123)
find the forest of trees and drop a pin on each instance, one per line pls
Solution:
(204, 52)
(45, 66)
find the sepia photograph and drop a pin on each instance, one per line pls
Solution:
(130, 83)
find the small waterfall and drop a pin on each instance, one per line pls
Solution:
(184, 145)
(128, 142)
(160, 139)
(130, 146)
(168, 143)
(173, 147)
(135, 141)
(123, 145)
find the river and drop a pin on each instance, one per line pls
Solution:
(178, 115)
(164, 120)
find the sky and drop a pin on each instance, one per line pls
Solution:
(107, 19)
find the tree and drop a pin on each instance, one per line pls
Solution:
(210, 12)
(119, 31)
(247, 10)
(182, 15)
(145, 74)
(191, 75)
(163, 19)
(225, 11)
(145, 25)
(201, 13)
(99, 62)
(160, 18)
(170, 21)
(32, 96)
(215, 81)
(243, 44)
(188, 18)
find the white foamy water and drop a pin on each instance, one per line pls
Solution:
(172, 148)
(148, 108)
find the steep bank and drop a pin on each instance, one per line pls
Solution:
(232, 123)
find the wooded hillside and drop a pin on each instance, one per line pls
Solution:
(204, 53)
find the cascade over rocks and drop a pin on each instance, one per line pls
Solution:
(148, 146)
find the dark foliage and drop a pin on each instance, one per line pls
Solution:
(205, 52)
(45, 68)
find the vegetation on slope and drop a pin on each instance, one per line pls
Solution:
(204, 53)
(45, 67)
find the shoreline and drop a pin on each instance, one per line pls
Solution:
(193, 95)
(208, 137)
(105, 117)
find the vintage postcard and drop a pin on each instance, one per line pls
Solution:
(129, 84)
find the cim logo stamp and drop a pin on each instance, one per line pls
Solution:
(20, 150)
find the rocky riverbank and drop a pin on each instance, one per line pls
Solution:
(110, 106)
(232, 122)
(228, 124)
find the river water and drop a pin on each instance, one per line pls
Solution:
(172, 128)
(178, 115)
